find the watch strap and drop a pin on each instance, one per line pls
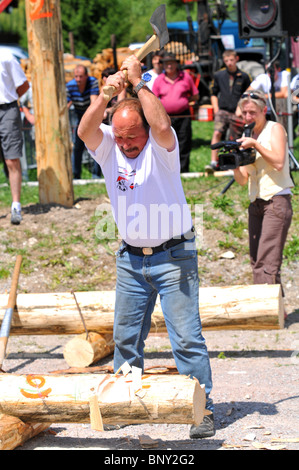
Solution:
(139, 86)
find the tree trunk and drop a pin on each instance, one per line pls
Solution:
(82, 352)
(13, 432)
(66, 398)
(52, 131)
(236, 307)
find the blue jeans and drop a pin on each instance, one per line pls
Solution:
(173, 274)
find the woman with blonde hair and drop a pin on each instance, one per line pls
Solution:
(269, 185)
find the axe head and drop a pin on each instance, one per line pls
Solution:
(159, 25)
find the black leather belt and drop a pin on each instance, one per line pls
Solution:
(7, 105)
(147, 251)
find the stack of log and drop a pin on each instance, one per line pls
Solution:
(105, 59)
(180, 50)
(95, 67)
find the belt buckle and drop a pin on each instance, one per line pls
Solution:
(147, 251)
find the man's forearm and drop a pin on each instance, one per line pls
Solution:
(88, 129)
(157, 118)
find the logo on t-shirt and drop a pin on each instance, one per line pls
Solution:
(126, 179)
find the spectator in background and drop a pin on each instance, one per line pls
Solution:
(176, 90)
(158, 65)
(13, 84)
(81, 91)
(263, 83)
(295, 89)
(227, 88)
(26, 103)
(269, 186)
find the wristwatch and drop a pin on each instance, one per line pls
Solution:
(145, 78)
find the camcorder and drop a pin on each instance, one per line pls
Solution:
(232, 156)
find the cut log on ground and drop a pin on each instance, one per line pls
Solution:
(13, 432)
(66, 398)
(82, 352)
(254, 307)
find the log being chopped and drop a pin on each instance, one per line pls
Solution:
(66, 398)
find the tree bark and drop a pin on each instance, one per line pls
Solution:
(52, 130)
(236, 307)
(66, 398)
(13, 432)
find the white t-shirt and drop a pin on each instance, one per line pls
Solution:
(263, 82)
(146, 193)
(295, 82)
(154, 76)
(11, 77)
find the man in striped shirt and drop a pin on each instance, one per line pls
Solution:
(81, 91)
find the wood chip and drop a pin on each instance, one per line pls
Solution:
(264, 446)
(147, 442)
(285, 439)
(95, 414)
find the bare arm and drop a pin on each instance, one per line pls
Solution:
(153, 109)
(214, 102)
(93, 98)
(241, 175)
(277, 155)
(28, 115)
(89, 128)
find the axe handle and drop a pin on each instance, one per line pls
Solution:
(151, 45)
(6, 322)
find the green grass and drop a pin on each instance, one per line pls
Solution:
(202, 190)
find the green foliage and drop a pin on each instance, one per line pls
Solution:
(291, 249)
(224, 203)
(14, 24)
(93, 22)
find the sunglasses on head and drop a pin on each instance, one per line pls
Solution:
(254, 96)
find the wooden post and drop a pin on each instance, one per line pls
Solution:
(66, 398)
(52, 134)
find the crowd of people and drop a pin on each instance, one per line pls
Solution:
(141, 141)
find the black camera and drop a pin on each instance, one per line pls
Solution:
(233, 156)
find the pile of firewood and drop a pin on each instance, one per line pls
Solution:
(105, 59)
(95, 67)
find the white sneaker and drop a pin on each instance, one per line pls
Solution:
(211, 168)
(16, 217)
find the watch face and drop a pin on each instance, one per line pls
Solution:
(147, 77)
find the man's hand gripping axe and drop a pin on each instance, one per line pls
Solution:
(156, 42)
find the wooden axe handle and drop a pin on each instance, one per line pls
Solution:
(6, 322)
(151, 45)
